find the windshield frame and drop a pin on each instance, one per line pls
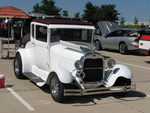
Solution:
(54, 26)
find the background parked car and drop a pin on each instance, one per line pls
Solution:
(110, 36)
(144, 44)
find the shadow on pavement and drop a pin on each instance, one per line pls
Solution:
(90, 100)
(148, 62)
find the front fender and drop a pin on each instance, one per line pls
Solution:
(63, 74)
(118, 71)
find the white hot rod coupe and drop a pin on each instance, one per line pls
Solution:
(60, 53)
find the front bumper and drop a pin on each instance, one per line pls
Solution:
(95, 91)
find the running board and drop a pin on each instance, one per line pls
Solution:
(34, 78)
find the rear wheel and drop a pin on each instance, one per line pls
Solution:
(123, 48)
(18, 67)
(56, 88)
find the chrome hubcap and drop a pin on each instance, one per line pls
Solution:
(16, 66)
(55, 87)
(122, 48)
(96, 44)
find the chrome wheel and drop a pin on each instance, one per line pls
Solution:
(16, 67)
(55, 87)
(123, 48)
(97, 44)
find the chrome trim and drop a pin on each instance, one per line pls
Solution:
(88, 55)
(95, 91)
(92, 84)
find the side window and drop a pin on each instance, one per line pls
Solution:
(116, 34)
(55, 35)
(41, 33)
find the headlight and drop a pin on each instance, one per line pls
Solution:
(111, 63)
(78, 64)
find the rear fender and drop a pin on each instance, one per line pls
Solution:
(118, 71)
(27, 59)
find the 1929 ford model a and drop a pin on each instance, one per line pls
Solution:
(60, 53)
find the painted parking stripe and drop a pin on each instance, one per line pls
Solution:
(134, 65)
(20, 98)
(147, 95)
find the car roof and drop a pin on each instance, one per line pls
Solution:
(61, 21)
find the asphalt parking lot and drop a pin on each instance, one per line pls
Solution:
(25, 97)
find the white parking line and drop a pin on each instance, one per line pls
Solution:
(20, 98)
(147, 95)
(134, 65)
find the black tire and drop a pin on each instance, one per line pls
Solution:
(123, 48)
(18, 67)
(122, 82)
(57, 89)
(97, 44)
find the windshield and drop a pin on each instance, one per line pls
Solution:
(81, 35)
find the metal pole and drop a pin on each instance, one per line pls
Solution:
(8, 36)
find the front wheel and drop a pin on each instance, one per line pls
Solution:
(123, 48)
(56, 88)
(122, 82)
(97, 44)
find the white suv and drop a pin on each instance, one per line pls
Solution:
(60, 53)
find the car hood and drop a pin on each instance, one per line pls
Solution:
(107, 27)
(65, 55)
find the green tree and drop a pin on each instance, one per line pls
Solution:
(47, 7)
(90, 13)
(36, 8)
(109, 13)
(122, 21)
(77, 15)
(135, 20)
(104, 12)
(65, 13)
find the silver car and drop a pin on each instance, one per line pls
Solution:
(110, 36)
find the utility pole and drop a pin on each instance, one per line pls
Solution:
(60, 8)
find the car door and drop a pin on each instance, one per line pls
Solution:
(110, 41)
(41, 47)
(109, 36)
(106, 42)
